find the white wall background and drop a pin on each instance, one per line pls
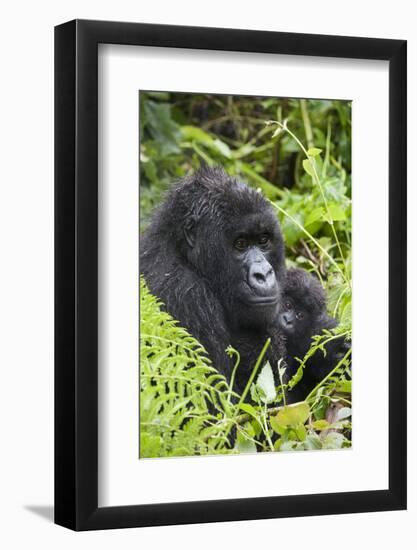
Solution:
(26, 273)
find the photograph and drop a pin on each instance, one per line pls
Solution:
(208, 275)
(245, 248)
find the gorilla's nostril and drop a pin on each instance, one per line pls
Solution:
(259, 277)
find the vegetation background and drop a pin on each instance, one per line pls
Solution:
(297, 152)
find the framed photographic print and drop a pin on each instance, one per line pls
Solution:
(230, 336)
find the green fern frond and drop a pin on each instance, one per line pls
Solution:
(182, 397)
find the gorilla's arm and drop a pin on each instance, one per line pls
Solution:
(320, 364)
(188, 298)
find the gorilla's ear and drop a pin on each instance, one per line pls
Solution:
(189, 231)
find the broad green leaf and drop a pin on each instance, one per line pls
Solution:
(314, 151)
(222, 148)
(254, 394)
(333, 440)
(337, 212)
(291, 231)
(291, 435)
(308, 167)
(245, 445)
(257, 428)
(163, 129)
(150, 445)
(296, 378)
(340, 425)
(315, 215)
(276, 426)
(293, 415)
(344, 412)
(312, 442)
(320, 407)
(344, 386)
(320, 425)
(192, 133)
(346, 315)
(249, 429)
(277, 444)
(163, 96)
(266, 385)
(243, 151)
(301, 432)
(249, 409)
(287, 446)
(197, 134)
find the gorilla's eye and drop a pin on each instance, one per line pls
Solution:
(288, 305)
(241, 243)
(299, 315)
(263, 240)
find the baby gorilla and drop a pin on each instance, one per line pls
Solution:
(302, 315)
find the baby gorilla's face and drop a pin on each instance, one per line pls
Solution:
(293, 319)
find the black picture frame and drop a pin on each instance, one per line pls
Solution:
(76, 272)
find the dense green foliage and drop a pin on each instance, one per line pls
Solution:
(177, 386)
(297, 152)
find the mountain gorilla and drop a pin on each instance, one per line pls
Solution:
(214, 255)
(303, 314)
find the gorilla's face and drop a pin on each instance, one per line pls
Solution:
(242, 258)
(303, 306)
(294, 319)
(254, 244)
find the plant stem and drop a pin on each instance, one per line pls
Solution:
(265, 428)
(254, 371)
(281, 382)
(306, 122)
(247, 387)
(329, 216)
(320, 384)
(339, 300)
(327, 154)
(232, 378)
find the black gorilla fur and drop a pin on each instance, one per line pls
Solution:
(214, 255)
(303, 314)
